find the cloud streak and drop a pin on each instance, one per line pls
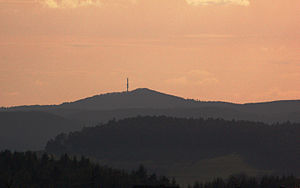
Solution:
(71, 3)
(218, 2)
(98, 3)
(195, 78)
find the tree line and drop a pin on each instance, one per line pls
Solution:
(32, 170)
(243, 181)
(270, 147)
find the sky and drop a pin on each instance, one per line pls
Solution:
(54, 51)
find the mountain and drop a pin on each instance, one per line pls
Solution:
(31, 130)
(139, 98)
(143, 101)
(172, 145)
(29, 127)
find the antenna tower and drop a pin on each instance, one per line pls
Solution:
(127, 85)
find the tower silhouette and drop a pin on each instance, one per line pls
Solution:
(127, 85)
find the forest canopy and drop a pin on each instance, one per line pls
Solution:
(31, 170)
(35, 170)
(272, 147)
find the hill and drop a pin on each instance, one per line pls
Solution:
(29, 127)
(143, 101)
(31, 130)
(167, 143)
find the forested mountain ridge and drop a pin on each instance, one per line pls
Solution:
(140, 102)
(162, 139)
(138, 98)
(143, 101)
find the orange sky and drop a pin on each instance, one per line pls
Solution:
(53, 51)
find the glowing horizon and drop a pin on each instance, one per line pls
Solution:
(53, 51)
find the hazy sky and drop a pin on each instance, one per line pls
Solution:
(53, 51)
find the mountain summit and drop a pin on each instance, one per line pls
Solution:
(138, 98)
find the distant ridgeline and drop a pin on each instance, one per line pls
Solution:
(29, 127)
(274, 148)
(143, 101)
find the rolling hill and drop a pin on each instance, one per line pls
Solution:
(143, 101)
(172, 145)
(29, 127)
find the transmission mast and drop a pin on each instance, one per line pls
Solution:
(127, 84)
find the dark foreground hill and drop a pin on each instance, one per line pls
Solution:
(28, 170)
(174, 141)
(31, 130)
(101, 108)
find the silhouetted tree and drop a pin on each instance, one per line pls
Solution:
(26, 170)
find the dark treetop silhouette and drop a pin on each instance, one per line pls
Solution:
(174, 140)
(30, 170)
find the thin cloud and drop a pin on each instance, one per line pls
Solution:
(11, 94)
(71, 3)
(218, 2)
(98, 3)
(212, 36)
(194, 77)
(83, 3)
(17, 1)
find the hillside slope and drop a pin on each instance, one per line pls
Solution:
(173, 141)
(101, 108)
(31, 130)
